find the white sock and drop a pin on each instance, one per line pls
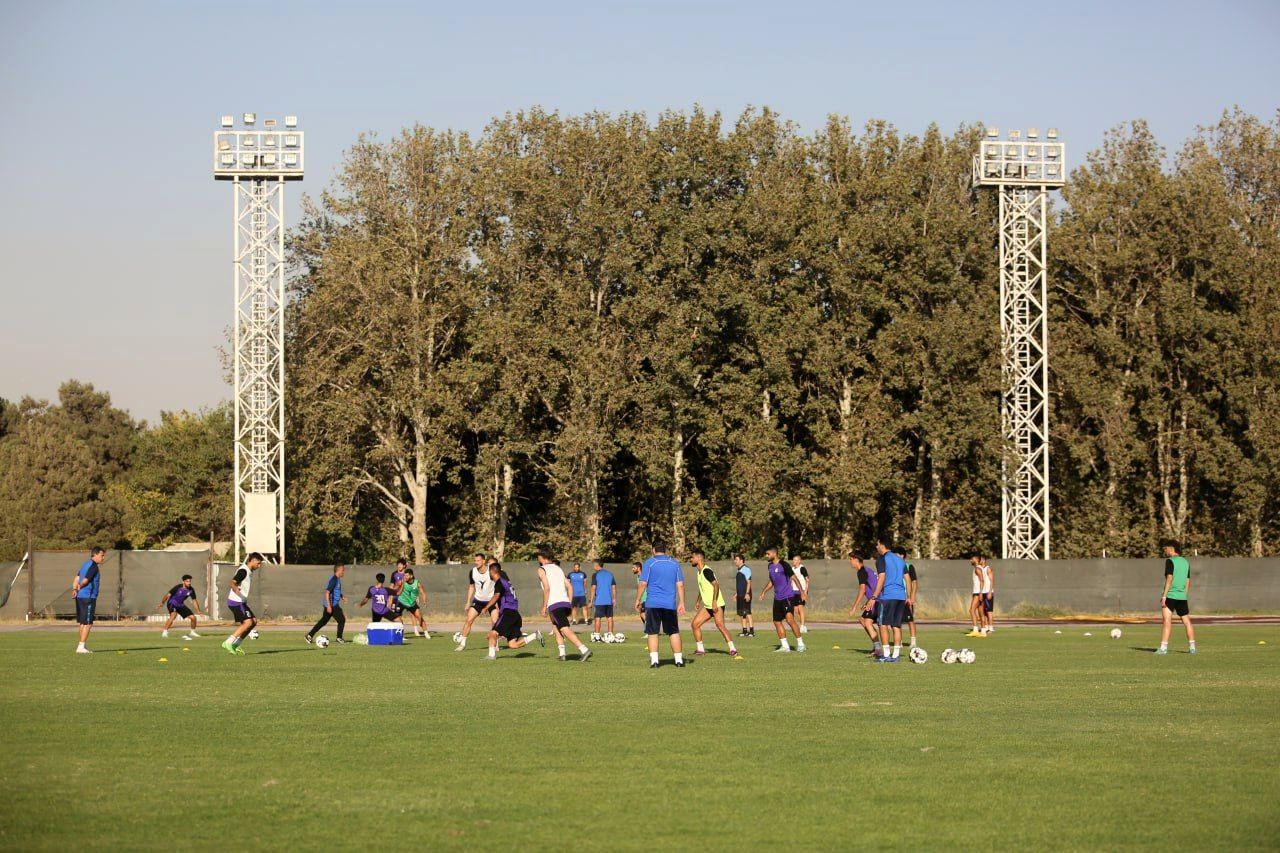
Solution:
(462, 641)
(561, 648)
(582, 650)
(1164, 645)
(1193, 644)
(799, 644)
(732, 649)
(164, 633)
(701, 647)
(493, 651)
(679, 657)
(913, 642)
(79, 645)
(897, 651)
(786, 644)
(653, 657)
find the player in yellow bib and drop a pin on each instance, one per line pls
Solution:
(710, 604)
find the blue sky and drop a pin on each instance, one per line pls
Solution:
(115, 242)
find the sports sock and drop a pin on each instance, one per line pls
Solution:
(913, 642)
(462, 641)
(493, 651)
(679, 657)
(800, 644)
(897, 651)
(560, 649)
(1164, 646)
(582, 650)
(653, 657)
(786, 644)
(701, 647)
(79, 645)
(235, 641)
(1193, 644)
(733, 650)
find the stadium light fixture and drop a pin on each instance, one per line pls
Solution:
(250, 118)
(290, 121)
(228, 121)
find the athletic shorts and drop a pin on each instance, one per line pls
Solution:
(989, 602)
(661, 620)
(712, 611)
(509, 624)
(799, 600)
(891, 613)
(604, 611)
(406, 608)
(781, 607)
(579, 601)
(869, 613)
(744, 607)
(183, 611)
(1177, 605)
(909, 613)
(86, 610)
(478, 606)
(389, 616)
(241, 611)
(559, 615)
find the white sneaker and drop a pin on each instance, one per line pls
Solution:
(459, 648)
(81, 650)
(783, 649)
(194, 634)
(164, 635)
(186, 636)
(804, 629)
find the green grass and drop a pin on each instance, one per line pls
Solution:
(1048, 741)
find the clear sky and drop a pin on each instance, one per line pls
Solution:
(115, 242)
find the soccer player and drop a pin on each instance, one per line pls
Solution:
(988, 597)
(397, 584)
(238, 602)
(800, 583)
(1177, 583)
(85, 589)
(379, 599)
(579, 580)
(410, 590)
(333, 599)
(891, 594)
(710, 604)
(660, 597)
(909, 613)
(557, 604)
(479, 599)
(636, 568)
(867, 577)
(742, 596)
(509, 622)
(604, 595)
(780, 575)
(176, 600)
(976, 603)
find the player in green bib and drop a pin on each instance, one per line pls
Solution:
(710, 603)
(1177, 582)
(408, 601)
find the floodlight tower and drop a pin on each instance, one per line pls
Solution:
(257, 162)
(1024, 172)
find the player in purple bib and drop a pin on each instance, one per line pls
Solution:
(379, 599)
(780, 575)
(509, 621)
(176, 600)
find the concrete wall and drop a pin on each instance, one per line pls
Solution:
(134, 581)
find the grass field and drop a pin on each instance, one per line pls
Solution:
(1048, 741)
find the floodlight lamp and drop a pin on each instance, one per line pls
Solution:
(247, 141)
(1015, 134)
(1033, 150)
(1052, 152)
(246, 159)
(291, 140)
(268, 159)
(269, 122)
(993, 132)
(250, 118)
(1011, 151)
(269, 140)
(1052, 169)
(228, 160)
(993, 150)
(227, 121)
(1052, 133)
(1032, 133)
(224, 145)
(291, 159)
(290, 121)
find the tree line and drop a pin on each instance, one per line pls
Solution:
(590, 331)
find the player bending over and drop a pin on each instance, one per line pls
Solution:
(557, 604)
(479, 600)
(867, 578)
(238, 602)
(176, 600)
(710, 603)
(891, 595)
(509, 622)
(1177, 584)
(780, 575)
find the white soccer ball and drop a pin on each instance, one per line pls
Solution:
(362, 639)
(253, 635)
(322, 641)
(1116, 633)
(967, 656)
(457, 636)
(918, 655)
(595, 638)
(619, 637)
(608, 638)
(949, 656)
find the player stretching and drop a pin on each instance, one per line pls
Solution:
(410, 590)
(333, 599)
(742, 596)
(800, 583)
(238, 602)
(85, 589)
(379, 598)
(1177, 583)
(780, 575)
(557, 604)
(604, 595)
(867, 577)
(579, 580)
(660, 597)
(509, 622)
(909, 613)
(711, 601)
(976, 603)
(176, 600)
(479, 600)
(891, 595)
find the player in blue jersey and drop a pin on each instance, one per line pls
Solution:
(578, 580)
(176, 601)
(891, 597)
(333, 599)
(603, 597)
(660, 596)
(85, 589)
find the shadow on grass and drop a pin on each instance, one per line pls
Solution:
(138, 649)
(280, 651)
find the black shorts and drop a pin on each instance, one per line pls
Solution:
(478, 606)
(559, 615)
(378, 617)
(869, 613)
(406, 608)
(604, 611)
(86, 610)
(579, 601)
(183, 611)
(799, 600)
(989, 602)
(909, 613)
(891, 612)
(712, 611)
(241, 611)
(781, 607)
(744, 607)
(509, 624)
(1178, 606)
(661, 620)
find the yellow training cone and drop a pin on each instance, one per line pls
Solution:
(835, 647)
(185, 649)
(163, 660)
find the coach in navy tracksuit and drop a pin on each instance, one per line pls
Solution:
(85, 589)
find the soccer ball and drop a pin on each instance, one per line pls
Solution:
(608, 638)
(253, 635)
(595, 637)
(322, 641)
(950, 656)
(967, 656)
(1116, 633)
(362, 639)
(457, 636)
(619, 637)
(918, 655)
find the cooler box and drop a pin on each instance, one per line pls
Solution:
(385, 634)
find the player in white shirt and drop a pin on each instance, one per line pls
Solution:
(988, 597)
(238, 601)
(557, 604)
(800, 582)
(480, 599)
(977, 561)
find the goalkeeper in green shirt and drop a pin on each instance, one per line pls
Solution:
(1177, 582)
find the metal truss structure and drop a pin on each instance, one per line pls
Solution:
(1024, 173)
(258, 163)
